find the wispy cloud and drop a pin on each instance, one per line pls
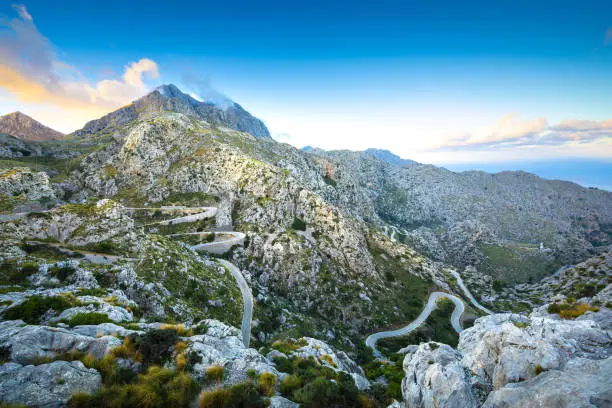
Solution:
(31, 71)
(512, 132)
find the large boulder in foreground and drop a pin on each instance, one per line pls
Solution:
(27, 343)
(583, 383)
(508, 348)
(509, 360)
(49, 385)
(222, 346)
(437, 378)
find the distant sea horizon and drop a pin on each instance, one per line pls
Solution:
(585, 172)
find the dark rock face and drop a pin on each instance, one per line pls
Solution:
(24, 127)
(168, 98)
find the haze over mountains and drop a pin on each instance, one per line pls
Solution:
(147, 238)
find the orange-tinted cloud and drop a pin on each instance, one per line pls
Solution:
(512, 131)
(32, 73)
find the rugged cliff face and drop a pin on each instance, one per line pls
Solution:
(513, 226)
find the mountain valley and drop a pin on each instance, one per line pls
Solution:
(172, 251)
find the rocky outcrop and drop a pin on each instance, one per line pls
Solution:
(115, 313)
(27, 343)
(582, 383)
(436, 378)
(507, 210)
(506, 348)
(32, 186)
(337, 360)
(48, 385)
(508, 360)
(81, 224)
(222, 346)
(280, 402)
(585, 279)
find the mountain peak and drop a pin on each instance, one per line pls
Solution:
(216, 108)
(24, 127)
(173, 91)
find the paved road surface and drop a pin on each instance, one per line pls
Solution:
(468, 294)
(429, 307)
(247, 300)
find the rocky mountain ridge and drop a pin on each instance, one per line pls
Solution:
(168, 98)
(105, 296)
(22, 126)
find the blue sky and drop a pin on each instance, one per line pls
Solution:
(439, 82)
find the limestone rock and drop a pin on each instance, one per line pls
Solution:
(26, 343)
(33, 186)
(49, 385)
(280, 402)
(222, 345)
(500, 352)
(338, 361)
(583, 383)
(435, 378)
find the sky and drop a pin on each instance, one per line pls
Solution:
(463, 84)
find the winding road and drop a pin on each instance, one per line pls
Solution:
(214, 247)
(468, 294)
(429, 307)
(247, 300)
(218, 247)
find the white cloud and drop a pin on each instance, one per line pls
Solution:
(31, 71)
(23, 13)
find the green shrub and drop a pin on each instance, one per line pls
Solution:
(9, 289)
(538, 370)
(286, 346)
(298, 224)
(103, 247)
(217, 398)
(570, 310)
(521, 325)
(5, 354)
(554, 308)
(329, 181)
(239, 396)
(201, 328)
(29, 268)
(81, 319)
(36, 306)
(215, 373)
(315, 385)
(158, 387)
(267, 384)
(62, 272)
(497, 285)
(155, 345)
(289, 384)
(323, 393)
(98, 292)
(11, 274)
